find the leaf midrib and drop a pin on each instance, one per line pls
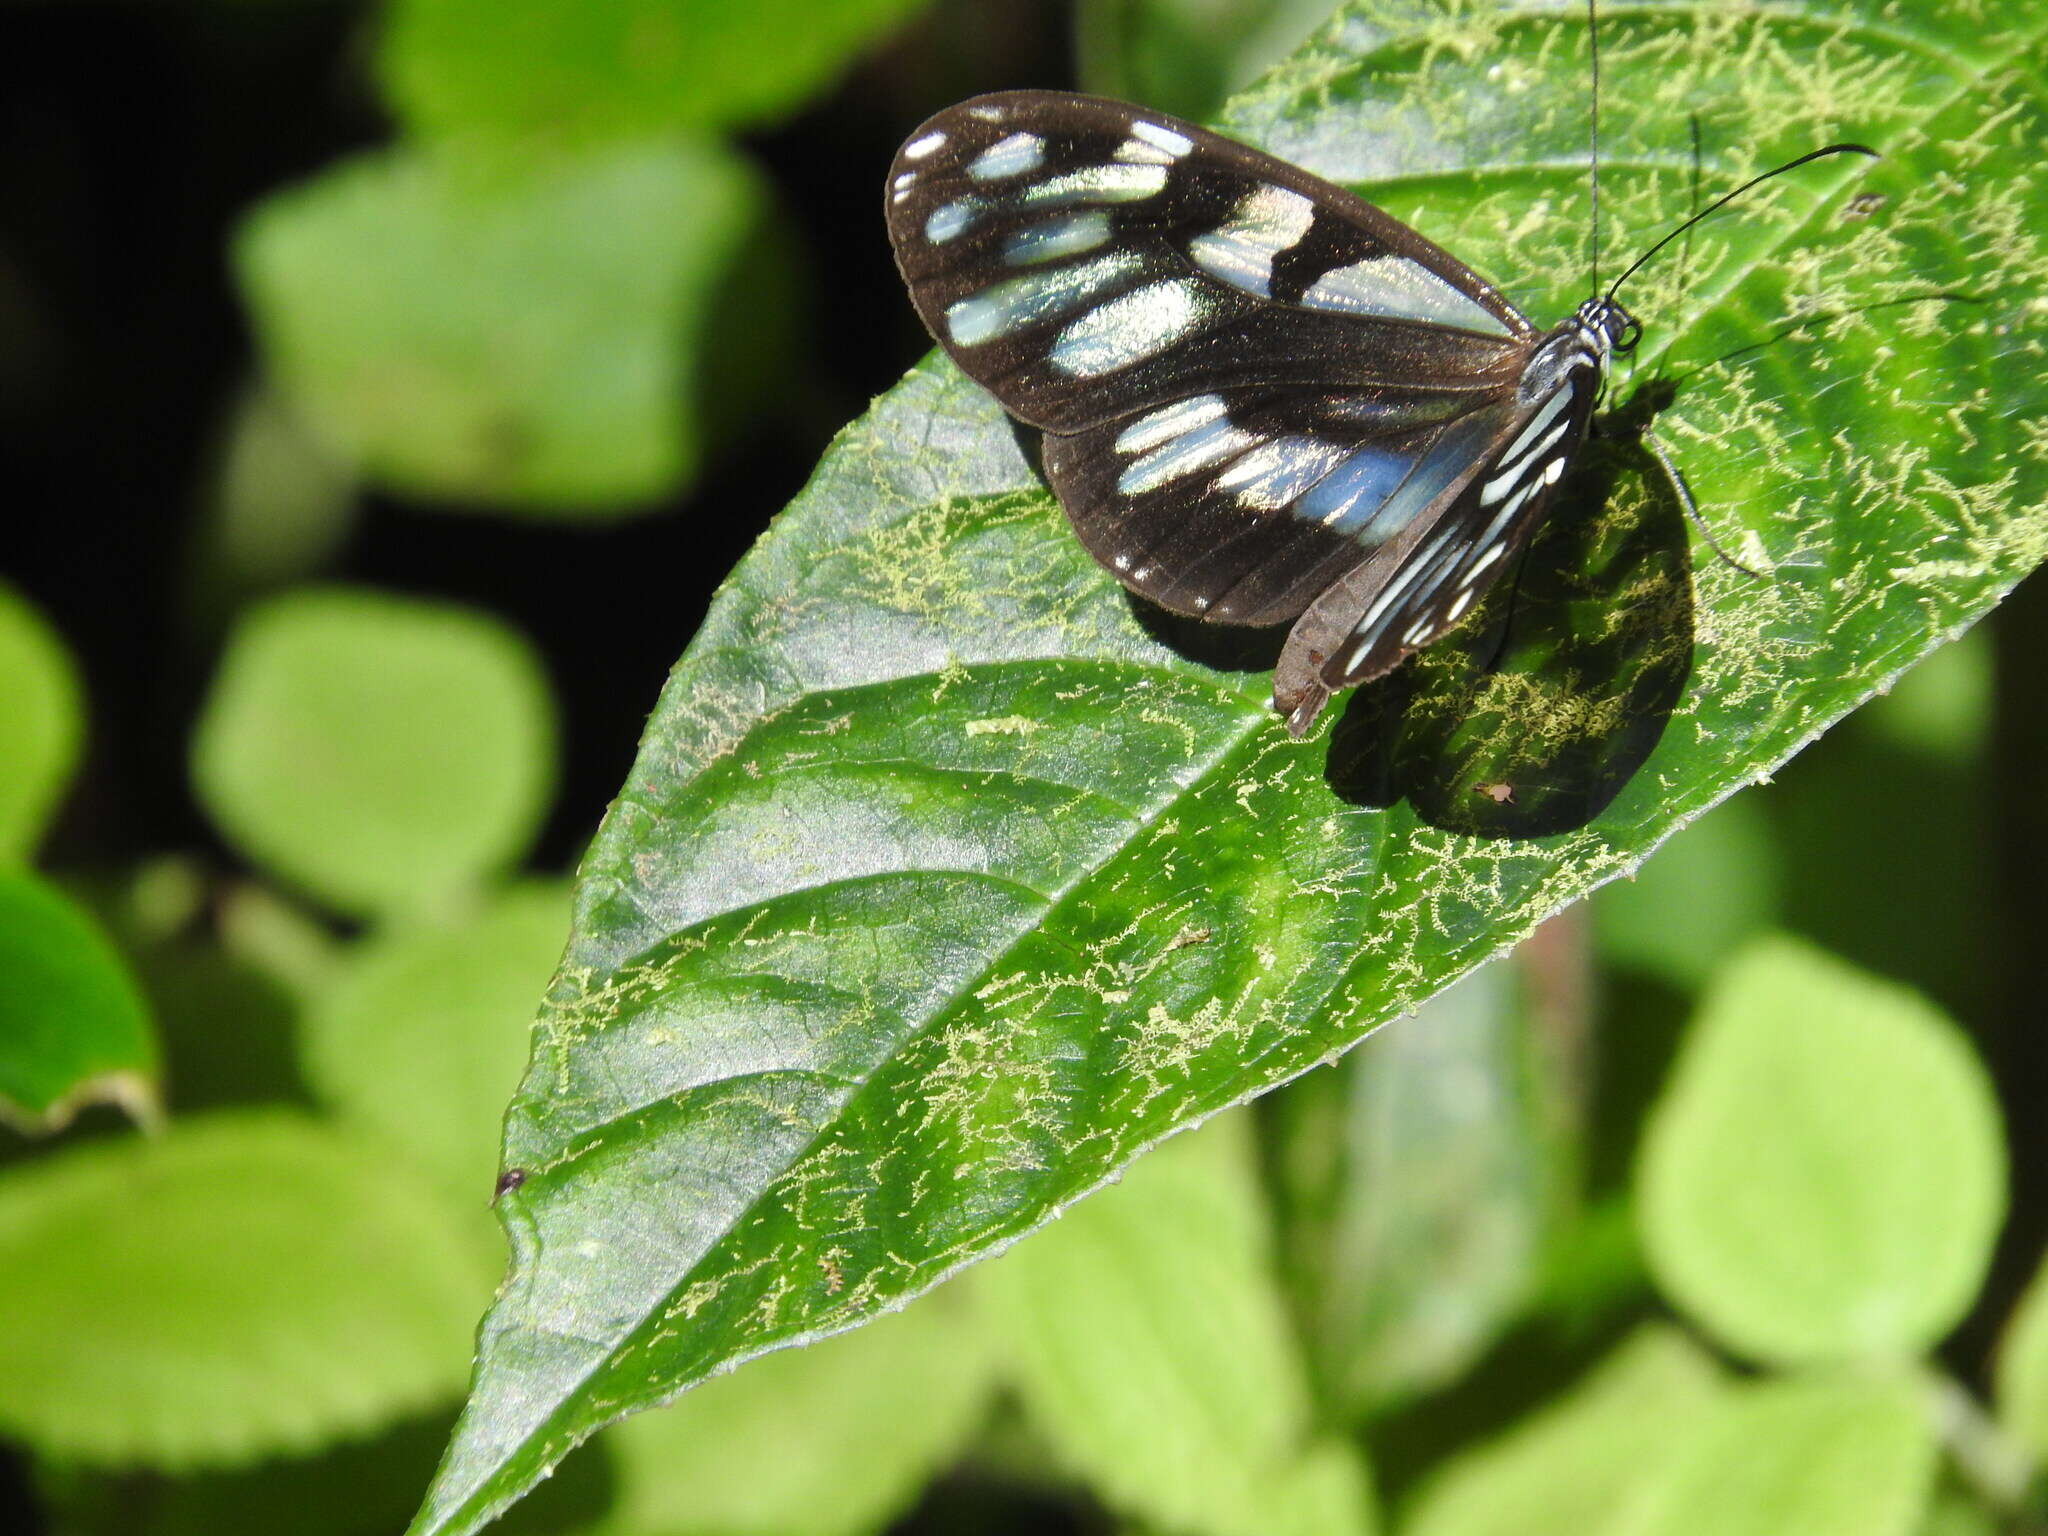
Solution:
(1224, 755)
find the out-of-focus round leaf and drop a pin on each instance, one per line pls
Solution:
(280, 503)
(471, 326)
(1849, 1457)
(1824, 1177)
(1151, 1347)
(617, 67)
(244, 1285)
(424, 1034)
(378, 751)
(1709, 888)
(1565, 1470)
(41, 721)
(74, 1029)
(830, 1440)
(2023, 1368)
(1942, 707)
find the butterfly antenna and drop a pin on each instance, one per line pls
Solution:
(1723, 201)
(1593, 114)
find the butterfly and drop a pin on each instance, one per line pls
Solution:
(1264, 399)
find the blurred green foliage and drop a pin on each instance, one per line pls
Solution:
(1683, 1220)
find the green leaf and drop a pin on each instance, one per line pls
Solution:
(614, 68)
(470, 326)
(1186, 56)
(830, 1441)
(424, 1033)
(380, 752)
(244, 1285)
(1825, 1175)
(1152, 1351)
(1817, 1457)
(42, 718)
(942, 887)
(2023, 1368)
(1421, 1179)
(74, 1029)
(1565, 1470)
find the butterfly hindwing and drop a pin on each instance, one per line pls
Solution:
(1426, 580)
(1242, 506)
(1087, 261)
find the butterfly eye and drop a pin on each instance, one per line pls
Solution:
(1631, 334)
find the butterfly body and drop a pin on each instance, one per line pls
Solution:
(1264, 399)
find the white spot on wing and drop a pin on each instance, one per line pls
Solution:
(917, 149)
(1275, 474)
(1264, 224)
(1067, 235)
(1034, 297)
(1175, 144)
(1393, 287)
(1097, 184)
(948, 221)
(1209, 442)
(1128, 329)
(1013, 156)
(1535, 425)
(1138, 152)
(1168, 422)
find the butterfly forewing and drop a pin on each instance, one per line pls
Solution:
(1085, 261)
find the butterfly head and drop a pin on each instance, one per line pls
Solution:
(1604, 326)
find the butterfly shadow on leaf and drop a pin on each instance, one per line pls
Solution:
(1530, 719)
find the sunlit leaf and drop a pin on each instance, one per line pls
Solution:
(380, 752)
(1565, 1470)
(1826, 1175)
(423, 1033)
(1848, 1457)
(74, 1029)
(830, 1441)
(497, 329)
(943, 887)
(242, 1285)
(1152, 1350)
(601, 68)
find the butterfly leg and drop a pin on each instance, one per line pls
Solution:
(1507, 629)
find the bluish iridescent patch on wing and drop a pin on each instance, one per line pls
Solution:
(1346, 499)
